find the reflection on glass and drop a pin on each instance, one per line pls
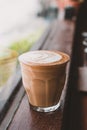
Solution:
(85, 56)
(84, 34)
(8, 60)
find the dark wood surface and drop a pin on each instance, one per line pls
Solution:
(75, 112)
(60, 38)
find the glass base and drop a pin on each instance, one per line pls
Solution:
(46, 109)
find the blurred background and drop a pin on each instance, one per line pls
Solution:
(21, 18)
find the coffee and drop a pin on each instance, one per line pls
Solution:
(43, 74)
(42, 57)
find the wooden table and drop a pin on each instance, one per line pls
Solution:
(62, 36)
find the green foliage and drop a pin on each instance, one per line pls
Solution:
(25, 44)
(21, 46)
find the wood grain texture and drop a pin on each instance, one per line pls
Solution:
(27, 119)
(31, 120)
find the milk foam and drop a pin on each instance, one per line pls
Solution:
(43, 57)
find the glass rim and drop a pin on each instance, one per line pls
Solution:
(64, 60)
(12, 54)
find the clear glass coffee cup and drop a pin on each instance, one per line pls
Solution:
(44, 75)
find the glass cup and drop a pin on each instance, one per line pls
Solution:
(44, 74)
(8, 60)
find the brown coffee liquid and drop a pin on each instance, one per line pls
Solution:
(43, 75)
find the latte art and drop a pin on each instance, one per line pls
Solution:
(43, 57)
